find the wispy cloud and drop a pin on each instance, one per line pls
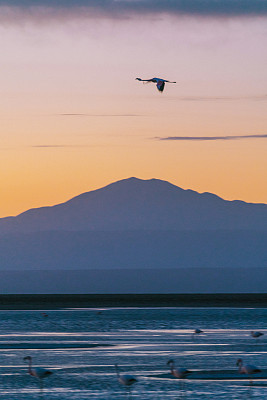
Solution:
(68, 146)
(206, 138)
(223, 98)
(54, 146)
(128, 8)
(99, 115)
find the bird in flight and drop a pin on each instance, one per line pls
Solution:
(160, 82)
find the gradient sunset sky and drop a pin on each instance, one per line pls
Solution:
(73, 117)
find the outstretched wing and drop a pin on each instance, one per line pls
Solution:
(145, 80)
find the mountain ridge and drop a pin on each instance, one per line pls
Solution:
(134, 204)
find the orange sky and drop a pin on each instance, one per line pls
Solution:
(74, 118)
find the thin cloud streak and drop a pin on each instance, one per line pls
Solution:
(130, 8)
(53, 146)
(99, 115)
(67, 146)
(206, 138)
(44, 146)
(222, 98)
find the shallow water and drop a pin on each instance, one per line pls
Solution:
(81, 347)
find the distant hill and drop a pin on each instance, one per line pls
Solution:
(136, 236)
(57, 250)
(134, 204)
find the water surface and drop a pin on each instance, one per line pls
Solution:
(81, 347)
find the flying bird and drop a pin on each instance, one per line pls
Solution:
(126, 380)
(39, 373)
(160, 82)
(247, 369)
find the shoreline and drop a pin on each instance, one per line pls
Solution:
(59, 301)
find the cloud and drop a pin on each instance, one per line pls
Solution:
(53, 146)
(99, 115)
(65, 146)
(129, 8)
(223, 98)
(206, 138)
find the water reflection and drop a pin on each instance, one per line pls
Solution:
(83, 346)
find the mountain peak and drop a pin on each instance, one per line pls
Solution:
(138, 181)
(140, 204)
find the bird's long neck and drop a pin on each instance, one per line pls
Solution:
(240, 365)
(117, 371)
(30, 366)
(172, 366)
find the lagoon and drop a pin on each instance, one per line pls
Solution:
(81, 345)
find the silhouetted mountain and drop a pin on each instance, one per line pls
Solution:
(135, 204)
(136, 236)
(133, 250)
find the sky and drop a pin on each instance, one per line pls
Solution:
(74, 119)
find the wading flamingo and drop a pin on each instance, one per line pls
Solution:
(126, 380)
(247, 369)
(197, 331)
(179, 373)
(39, 373)
(256, 334)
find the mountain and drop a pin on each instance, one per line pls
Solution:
(137, 205)
(136, 236)
(59, 250)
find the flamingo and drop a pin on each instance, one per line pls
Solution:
(256, 334)
(178, 372)
(39, 373)
(247, 369)
(197, 331)
(44, 314)
(126, 380)
(160, 82)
